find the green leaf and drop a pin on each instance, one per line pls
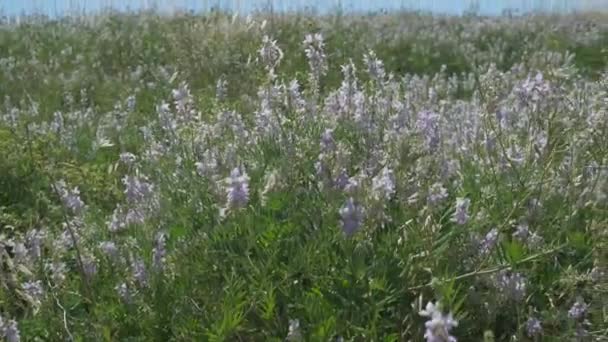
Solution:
(177, 232)
(269, 305)
(391, 338)
(514, 251)
(107, 333)
(577, 240)
(325, 329)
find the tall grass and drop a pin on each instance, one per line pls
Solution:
(304, 177)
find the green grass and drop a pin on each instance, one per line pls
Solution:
(283, 256)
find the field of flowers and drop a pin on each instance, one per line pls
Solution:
(399, 177)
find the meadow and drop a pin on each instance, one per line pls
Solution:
(300, 177)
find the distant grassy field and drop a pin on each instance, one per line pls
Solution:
(399, 177)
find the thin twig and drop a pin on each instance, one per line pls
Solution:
(65, 217)
(79, 259)
(196, 305)
(489, 270)
(65, 320)
(65, 315)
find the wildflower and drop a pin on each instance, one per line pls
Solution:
(535, 240)
(135, 216)
(10, 331)
(489, 142)
(461, 215)
(34, 291)
(123, 292)
(70, 197)
(65, 240)
(294, 333)
(488, 242)
(523, 234)
(109, 248)
(578, 309)
(428, 125)
(437, 193)
(342, 181)
(533, 89)
(449, 168)
(20, 251)
(351, 217)
(314, 49)
(439, 326)
(320, 167)
(270, 53)
(237, 191)
(347, 90)
(34, 239)
(540, 143)
(208, 167)
(131, 102)
(295, 100)
(139, 272)
(502, 116)
(57, 125)
(182, 97)
(159, 251)
(511, 285)
(127, 158)
(58, 271)
(383, 185)
(137, 188)
(534, 205)
(362, 114)
(166, 118)
(265, 121)
(375, 67)
(327, 141)
(221, 89)
(118, 221)
(89, 263)
(533, 327)
(355, 183)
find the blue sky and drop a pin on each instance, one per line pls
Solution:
(491, 7)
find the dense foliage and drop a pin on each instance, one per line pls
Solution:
(347, 178)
